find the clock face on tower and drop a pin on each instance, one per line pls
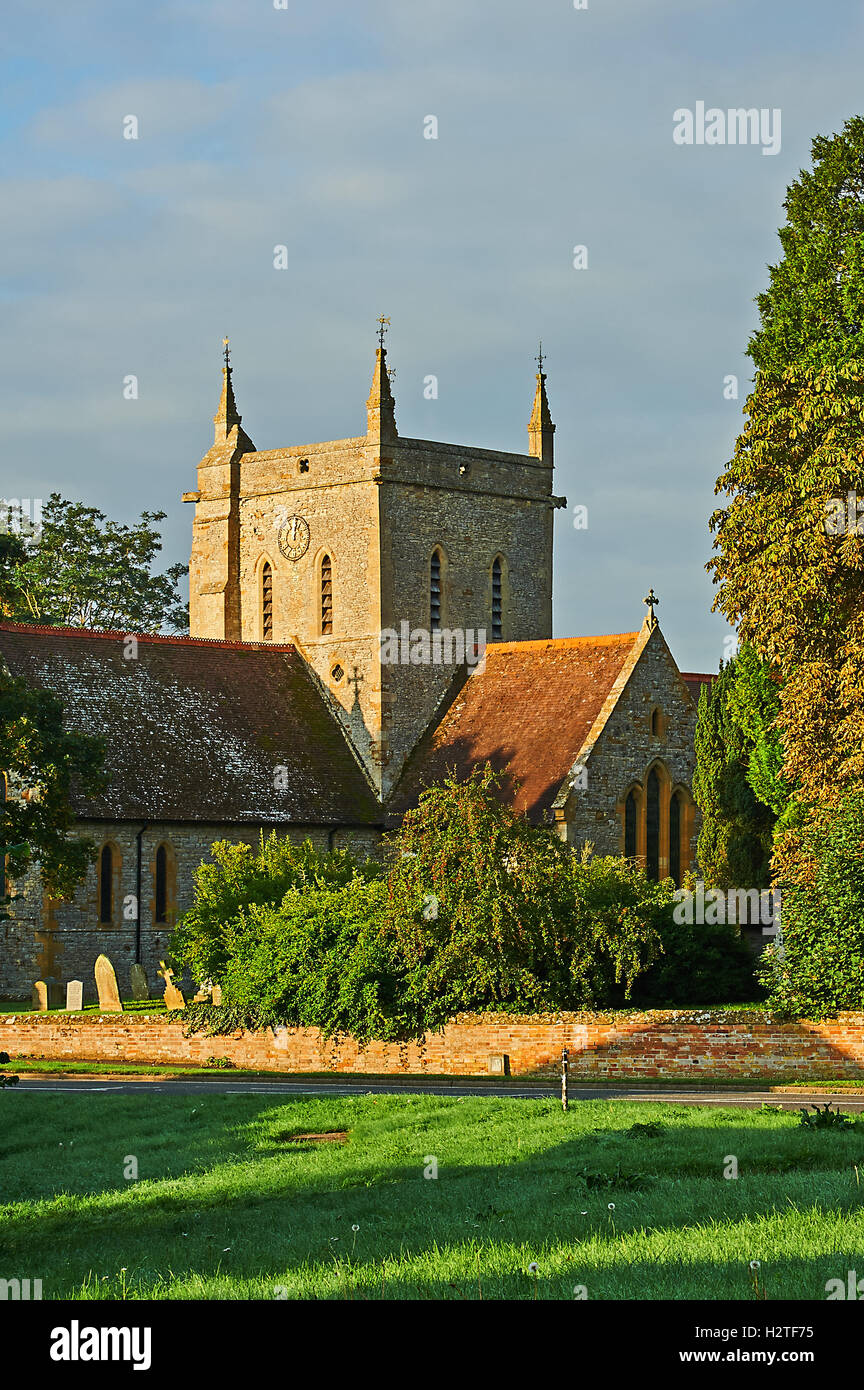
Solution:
(294, 537)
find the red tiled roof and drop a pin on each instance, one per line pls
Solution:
(695, 680)
(529, 709)
(195, 729)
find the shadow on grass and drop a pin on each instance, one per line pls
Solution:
(267, 1212)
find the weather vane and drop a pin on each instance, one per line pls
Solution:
(227, 352)
(382, 329)
(539, 358)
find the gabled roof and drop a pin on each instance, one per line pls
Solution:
(195, 730)
(529, 708)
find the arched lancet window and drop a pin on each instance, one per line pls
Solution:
(435, 592)
(497, 602)
(326, 596)
(655, 722)
(106, 885)
(675, 819)
(630, 822)
(652, 825)
(267, 601)
(161, 893)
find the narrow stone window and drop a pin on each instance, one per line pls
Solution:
(326, 597)
(630, 817)
(675, 839)
(652, 826)
(267, 602)
(161, 913)
(435, 592)
(106, 886)
(497, 602)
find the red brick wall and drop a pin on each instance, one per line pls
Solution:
(676, 1045)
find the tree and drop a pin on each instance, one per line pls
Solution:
(734, 847)
(790, 571)
(12, 554)
(487, 910)
(82, 570)
(812, 314)
(754, 706)
(48, 764)
(819, 969)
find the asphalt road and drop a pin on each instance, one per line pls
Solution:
(742, 1099)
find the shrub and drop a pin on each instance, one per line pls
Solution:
(700, 964)
(487, 911)
(240, 878)
(479, 910)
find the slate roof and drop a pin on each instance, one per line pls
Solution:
(194, 729)
(528, 709)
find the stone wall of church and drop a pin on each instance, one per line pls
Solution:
(472, 506)
(626, 750)
(60, 941)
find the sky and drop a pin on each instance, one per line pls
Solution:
(303, 126)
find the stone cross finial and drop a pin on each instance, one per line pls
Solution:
(652, 601)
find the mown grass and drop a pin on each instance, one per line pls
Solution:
(225, 1207)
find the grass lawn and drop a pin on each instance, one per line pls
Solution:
(226, 1206)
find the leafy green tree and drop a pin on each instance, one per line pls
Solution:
(791, 579)
(81, 569)
(734, 848)
(489, 911)
(812, 313)
(818, 969)
(754, 706)
(48, 764)
(12, 554)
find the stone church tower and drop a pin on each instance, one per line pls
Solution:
(333, 546)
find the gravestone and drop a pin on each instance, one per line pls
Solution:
(216, 996)
(106, 984)
(173, 996)
(138, 980)
(75, 996)
(47, 994)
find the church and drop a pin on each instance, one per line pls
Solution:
(366, 616)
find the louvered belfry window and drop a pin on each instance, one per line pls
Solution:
(267, 602)
(435, 592)
(326, 597)
(497, 603)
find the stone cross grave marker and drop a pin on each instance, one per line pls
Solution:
(106, 984)
(173, 996)
(138, 980)
(75, 996)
